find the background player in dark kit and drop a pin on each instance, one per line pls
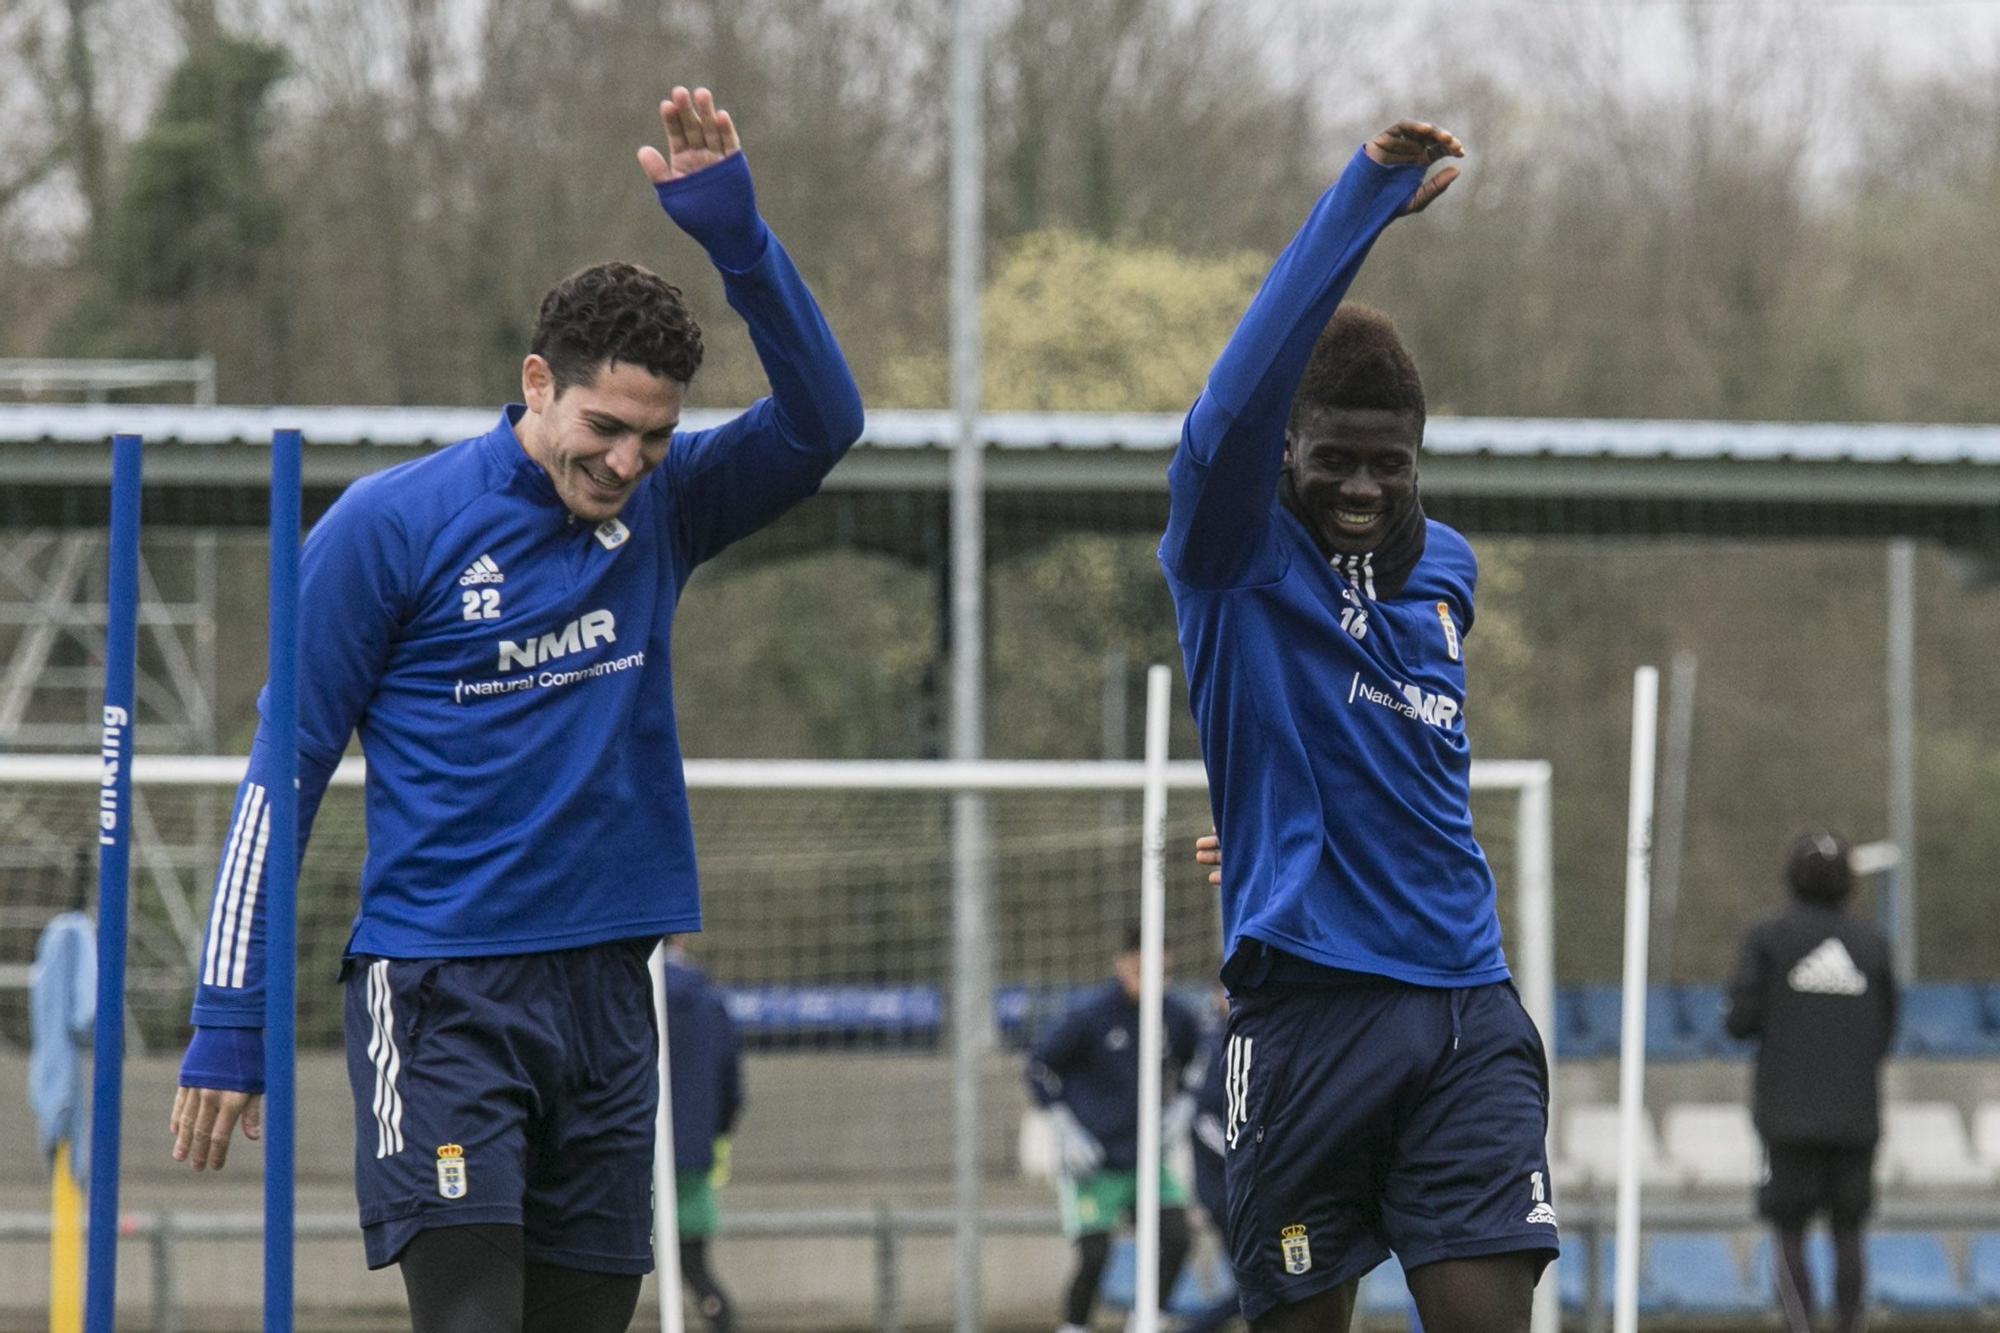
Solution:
(1204, 1108)
(1814, 988)
(1085, 1073)
(705, 1067)
(496, 621)
(1387, 1091)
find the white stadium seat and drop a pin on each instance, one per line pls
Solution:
(1714, 1143)
(1986, 1136)
(1924, 1145)
(1590, 1149)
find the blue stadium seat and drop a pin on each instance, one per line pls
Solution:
(1593, 1026)
(1682, 1023)
(1702, 1008)
(1910, 1271)
(1944, 1019)
(1982, 1267)
(1573, 1272)
(1696, 1273)
(1819, 1267)
(1672, 1033)
(1384, 1293)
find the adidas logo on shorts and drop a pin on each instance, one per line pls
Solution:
(1828, 970)
(482, 570)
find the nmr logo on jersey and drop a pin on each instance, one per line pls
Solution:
(1418, 705)
(585, 632)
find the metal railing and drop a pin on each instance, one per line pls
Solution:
(94, 378)
(1586, 1217)
(888, 1225)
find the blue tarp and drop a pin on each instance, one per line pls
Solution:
(62, 1008)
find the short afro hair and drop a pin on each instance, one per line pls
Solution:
(616, 312)
(1360, 362)
(1819, 869)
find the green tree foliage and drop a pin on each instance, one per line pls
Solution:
(1073, 323)
(195, 214)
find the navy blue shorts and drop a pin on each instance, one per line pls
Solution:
(512, 1090)
(1803, 1179)
(1371, 1117)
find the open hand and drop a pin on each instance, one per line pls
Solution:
(1208, 852)
(698, 135)
(1409, 142)
(204, 1118)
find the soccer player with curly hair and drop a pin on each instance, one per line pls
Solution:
(495, 620)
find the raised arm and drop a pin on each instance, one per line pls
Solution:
(350, 584)
(732, 480)
(1223, 479)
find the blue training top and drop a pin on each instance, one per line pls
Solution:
(1333, 724)
(509, 666)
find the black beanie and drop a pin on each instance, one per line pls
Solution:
(1818, 870)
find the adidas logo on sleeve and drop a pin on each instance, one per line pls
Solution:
(482, 570)
(1828, 970)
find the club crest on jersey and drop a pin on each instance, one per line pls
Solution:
(1450, 630)
(1296, 1249)
(611, 534)
(451, 1171)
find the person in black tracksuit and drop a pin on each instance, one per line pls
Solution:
(1814, 988)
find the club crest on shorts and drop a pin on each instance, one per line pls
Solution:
(1296, 1248)
(451, 1171)
(1450, 630)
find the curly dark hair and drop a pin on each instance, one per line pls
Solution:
(616, 312)
(1360, 362)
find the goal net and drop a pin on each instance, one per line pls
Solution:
(828, 898)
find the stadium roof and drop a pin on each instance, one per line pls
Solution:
(1495, 473)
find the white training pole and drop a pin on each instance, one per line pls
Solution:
(1632, 1037)
(1152, 997)
(666, 1194)
(1535, 914)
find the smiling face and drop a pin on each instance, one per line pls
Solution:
(1353, 473)
(598, 438)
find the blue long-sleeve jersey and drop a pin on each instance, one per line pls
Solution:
(705, 1066)
(1089, 1061)
(509, 666)
(1333, 724)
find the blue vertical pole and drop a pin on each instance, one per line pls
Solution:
(114, 803)
(281, 885)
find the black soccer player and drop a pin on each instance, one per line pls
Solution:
(1815, 989)
(1387, 1091)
